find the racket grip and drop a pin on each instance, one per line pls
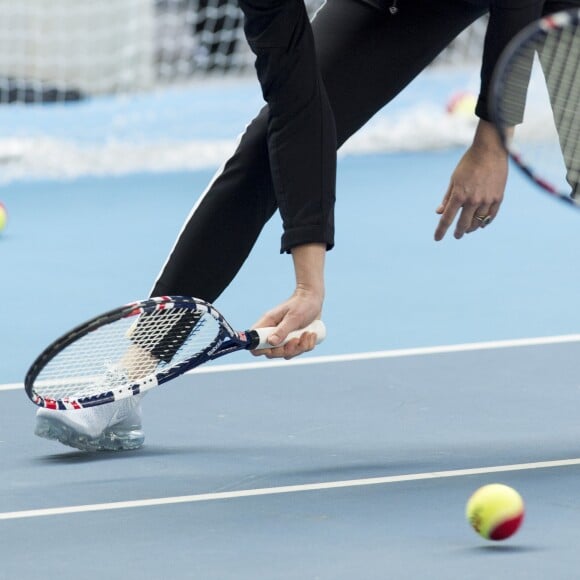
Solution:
(260, 335)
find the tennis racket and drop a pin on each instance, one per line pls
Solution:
(132, 349)
(535, 103)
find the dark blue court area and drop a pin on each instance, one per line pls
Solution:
(330, 469)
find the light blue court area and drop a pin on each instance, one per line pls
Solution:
(75, 248)
(97, 192)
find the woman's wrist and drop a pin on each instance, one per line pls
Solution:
(309, 267)
(488, 138)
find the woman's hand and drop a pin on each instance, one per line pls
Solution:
(302, 308)
(477, 185)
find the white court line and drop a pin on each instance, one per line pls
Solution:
(205, 497)
(396, 353)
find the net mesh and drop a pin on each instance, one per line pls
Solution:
(65, 49)
(128, 350)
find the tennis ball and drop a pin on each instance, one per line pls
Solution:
(495, 511)
(462, 104)
(3, 217)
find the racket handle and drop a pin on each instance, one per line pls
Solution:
(260, 335)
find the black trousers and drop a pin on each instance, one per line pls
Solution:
(364, 57)
(301, 134)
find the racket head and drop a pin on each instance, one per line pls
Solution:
(535, 103)
(127, 351)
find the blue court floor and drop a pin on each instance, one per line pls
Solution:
(327, 469)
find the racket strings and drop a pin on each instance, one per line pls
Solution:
(559, 56)
(540, 99)
(126, 351)
(163, 332)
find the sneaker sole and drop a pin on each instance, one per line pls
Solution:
(110, 440)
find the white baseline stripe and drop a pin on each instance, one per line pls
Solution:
(205, 497)
(397, 353)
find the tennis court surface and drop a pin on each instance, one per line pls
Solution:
(330, 467)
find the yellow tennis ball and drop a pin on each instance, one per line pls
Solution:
(495, 511)
(3, 217)
(462, 104)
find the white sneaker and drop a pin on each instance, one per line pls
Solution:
(111, 427)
